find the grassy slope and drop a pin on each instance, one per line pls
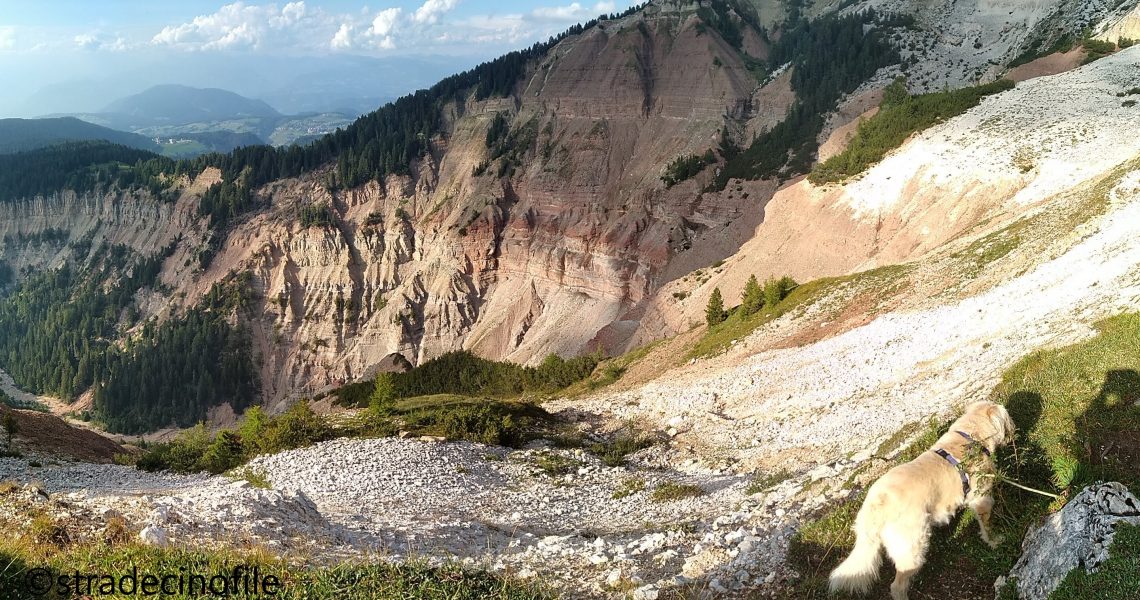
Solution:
(736, 327)
(1079, 422)
(895, 123)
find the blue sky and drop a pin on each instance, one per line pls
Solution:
(385, 27)
(75, 55)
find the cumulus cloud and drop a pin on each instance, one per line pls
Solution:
(297, 27)
(342, 39)
(249, 26)
(100, 41)
(385, 21)
(432, 10)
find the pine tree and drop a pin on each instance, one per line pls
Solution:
(714, 313)
(383, 394)
(773, 292)
(752, 298)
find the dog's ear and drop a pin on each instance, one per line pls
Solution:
(1002, 422)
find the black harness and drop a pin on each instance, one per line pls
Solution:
(957, 464)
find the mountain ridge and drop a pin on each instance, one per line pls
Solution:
(18, 135)
(179, 104)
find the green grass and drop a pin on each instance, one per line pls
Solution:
(629, 487)
(1078, 419)
(737, 326)
(1116, 578)
(671, 491)
(763, 481)
(455, 417)
(255, 477)
(720, 337)
(613, 452)
(556, 465)
(379, 581)
(184, 149)
(610, 371)
(991, 248)
(895, 122)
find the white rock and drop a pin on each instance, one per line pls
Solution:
(647, 592)
(153, 535)
(1080, 534)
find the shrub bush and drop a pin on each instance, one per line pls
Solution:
(686, 167)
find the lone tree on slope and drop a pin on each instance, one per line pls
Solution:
(714, 313)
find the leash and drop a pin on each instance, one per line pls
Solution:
(1004, 479)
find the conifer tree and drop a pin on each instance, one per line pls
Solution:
(773, 292)
(383, 394)
(752, 298)
(714, 313)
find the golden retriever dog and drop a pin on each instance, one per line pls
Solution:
(903, 505)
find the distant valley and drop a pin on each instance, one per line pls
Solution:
(177, 121)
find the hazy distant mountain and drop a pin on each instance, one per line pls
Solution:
(178, 104)
(290, 84)
(186, 121)
(18, 135)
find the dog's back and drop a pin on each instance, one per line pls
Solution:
(896, 515)
(903, 505)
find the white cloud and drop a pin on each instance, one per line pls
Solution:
(432, 10)
(293, 12)
(7, 38)
(385, 21)
(574, 11)
(295, 27)
(539, 23)
(99, 41)
(248, 26)
(342, 39)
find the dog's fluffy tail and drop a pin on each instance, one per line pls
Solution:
(861, 569)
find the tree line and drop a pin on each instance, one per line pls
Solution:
(829, 57)
(58, 333)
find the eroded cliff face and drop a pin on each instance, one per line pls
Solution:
(569, 242)
(512, 264)
(515, 267)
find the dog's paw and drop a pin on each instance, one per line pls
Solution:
(994, 541)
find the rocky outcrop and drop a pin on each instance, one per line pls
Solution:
(1078, 536)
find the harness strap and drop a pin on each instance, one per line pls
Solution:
(972, 441)
(958, 466)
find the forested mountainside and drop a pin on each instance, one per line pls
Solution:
(21, 135)
(558, 199)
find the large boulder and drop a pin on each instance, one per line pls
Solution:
(1079, 535)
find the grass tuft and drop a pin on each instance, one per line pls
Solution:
(671, 491)
(629, 487)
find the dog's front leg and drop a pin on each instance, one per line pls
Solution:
(983, 507)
